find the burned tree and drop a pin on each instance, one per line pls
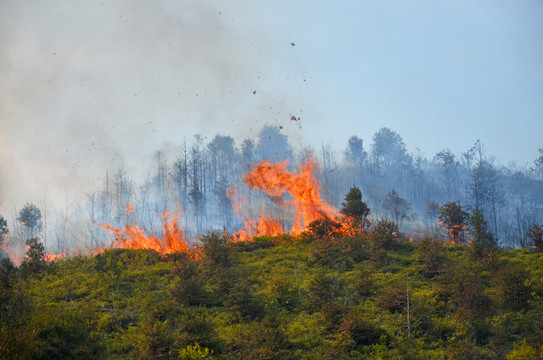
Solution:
(180, 175)
(487, 192)
(447, 164)
(223, 200)
(197, 184)
(123, 191)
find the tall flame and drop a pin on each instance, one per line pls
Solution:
(275, 180)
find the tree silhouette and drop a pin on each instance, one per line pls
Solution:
(396, 208)
(448, 165)
(354, 207)
(538, 164)
(3, 229)
(535, 233)
(30, 218)
(35, 255)
(481, 238)
(454, 219)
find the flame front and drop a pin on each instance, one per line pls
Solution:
(259, 227)
(275, 180)
(133, 237)
(53, 257)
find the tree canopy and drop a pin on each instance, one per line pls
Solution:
(353, 205)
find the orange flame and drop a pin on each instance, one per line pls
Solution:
(275, 180)
(133, 237)
(53, 257)
(259, 227)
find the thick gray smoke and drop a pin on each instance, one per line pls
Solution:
(87, 86)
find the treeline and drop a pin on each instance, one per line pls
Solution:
(204, 180)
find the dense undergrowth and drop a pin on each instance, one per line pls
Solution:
(368, 296)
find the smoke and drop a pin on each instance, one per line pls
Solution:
(90, 85)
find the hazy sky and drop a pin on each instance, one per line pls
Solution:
(86, 84)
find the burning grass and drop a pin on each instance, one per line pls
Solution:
(295, 192)
(133, 237)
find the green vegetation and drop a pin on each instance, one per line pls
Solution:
(365, 296)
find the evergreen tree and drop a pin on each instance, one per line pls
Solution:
(481, 238)
(30, 218)
(354, 207)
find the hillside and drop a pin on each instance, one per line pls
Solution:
(363, 296)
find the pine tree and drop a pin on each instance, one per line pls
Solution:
(481, 238)
(354, 206)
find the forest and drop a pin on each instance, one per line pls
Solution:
(203, 179)
(262, 252)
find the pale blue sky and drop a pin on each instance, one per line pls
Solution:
(442, 74)
(88, 83)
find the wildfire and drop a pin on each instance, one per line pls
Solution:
(259, 227)
(295, 192)
(133, 237)
(53, 257)
(236, 197)
(275, 180)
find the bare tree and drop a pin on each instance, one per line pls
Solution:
(446, 162)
